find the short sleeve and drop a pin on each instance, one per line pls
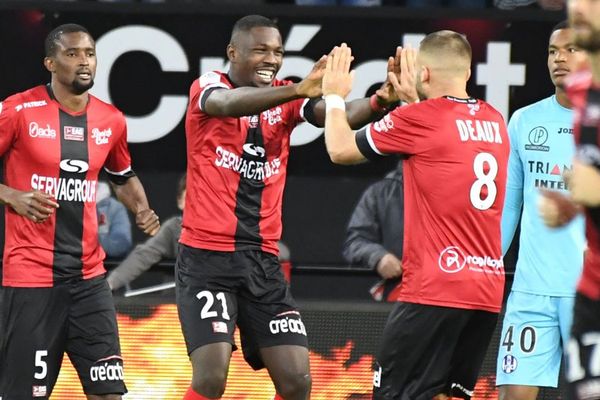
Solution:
(118, 162)
(9, 117)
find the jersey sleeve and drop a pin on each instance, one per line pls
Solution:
(514, 186)
(403, 131)
(207, 83)
(118, 162)
(8, 123)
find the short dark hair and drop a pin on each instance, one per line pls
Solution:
(181, 185)
(248, 22)
(564, 24)
(53, 38)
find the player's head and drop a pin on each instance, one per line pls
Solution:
(584, 19)
(444, 59)
(564, 56)
(255, 51)
(181, 188)
(71, 57)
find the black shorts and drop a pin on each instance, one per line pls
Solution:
(428, 350)
(39, 325)
(217, 290)
(582, 353)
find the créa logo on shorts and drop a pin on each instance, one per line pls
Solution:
(107, 369)
(287, 322)
(452, 259)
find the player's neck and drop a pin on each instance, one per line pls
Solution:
(72, 102)
(562, 98)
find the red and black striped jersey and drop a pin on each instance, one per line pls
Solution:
(48, 148)
(586, 106)
(236, 172)
(454, 186)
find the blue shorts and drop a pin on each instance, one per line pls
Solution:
(534, 331)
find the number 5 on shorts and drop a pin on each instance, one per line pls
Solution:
(210, 300)
(39, 363)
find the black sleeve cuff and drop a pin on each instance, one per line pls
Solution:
(309, 111)
(120, 179)
(207, 93)
(365, 147)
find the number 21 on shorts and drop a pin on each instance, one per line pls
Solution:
(208, 311)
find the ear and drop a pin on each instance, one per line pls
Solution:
(424, 74)
(468, 73)
(231, 52)
(49, 64)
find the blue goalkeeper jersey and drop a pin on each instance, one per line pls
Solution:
(542, 148)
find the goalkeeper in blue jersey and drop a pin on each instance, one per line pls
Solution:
(539, 308)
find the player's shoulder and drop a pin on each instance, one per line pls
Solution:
(545, 105)
(101, 106)
(211, 79)
(34, 97)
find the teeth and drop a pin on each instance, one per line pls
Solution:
(265, 74)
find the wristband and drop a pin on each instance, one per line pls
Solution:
(375, 105)
(334, 101)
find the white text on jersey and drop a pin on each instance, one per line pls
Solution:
(479, 131)
(65, 189)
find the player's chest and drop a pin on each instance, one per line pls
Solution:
(54, 136)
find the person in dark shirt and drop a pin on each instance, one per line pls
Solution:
(375, 233)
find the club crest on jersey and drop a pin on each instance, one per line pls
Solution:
(473, 108)
(73, 133)
(509, 363)
(101, 136)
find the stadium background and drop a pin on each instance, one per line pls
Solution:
(164, 48)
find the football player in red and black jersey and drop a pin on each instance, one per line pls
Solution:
(54, 298)
(456, 150)
(238, 128)
(581, 353)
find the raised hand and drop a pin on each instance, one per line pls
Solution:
(403, 78)
(338, 78)
(310, 86)
(34, 205)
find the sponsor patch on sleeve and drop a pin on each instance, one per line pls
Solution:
(209, 78)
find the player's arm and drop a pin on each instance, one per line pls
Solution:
(131, 193)
(514, 187)
(33, 205)
(359, 112)
(337, 83)
(584, 184)
(252, 100)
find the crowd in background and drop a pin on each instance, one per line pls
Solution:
(550, 5)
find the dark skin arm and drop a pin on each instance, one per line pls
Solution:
(133, 196)
(253, 100)
(33, 205)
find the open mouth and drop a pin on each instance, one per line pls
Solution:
(265, 75)
(84, 75)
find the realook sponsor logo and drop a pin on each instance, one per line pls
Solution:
(42, 132)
